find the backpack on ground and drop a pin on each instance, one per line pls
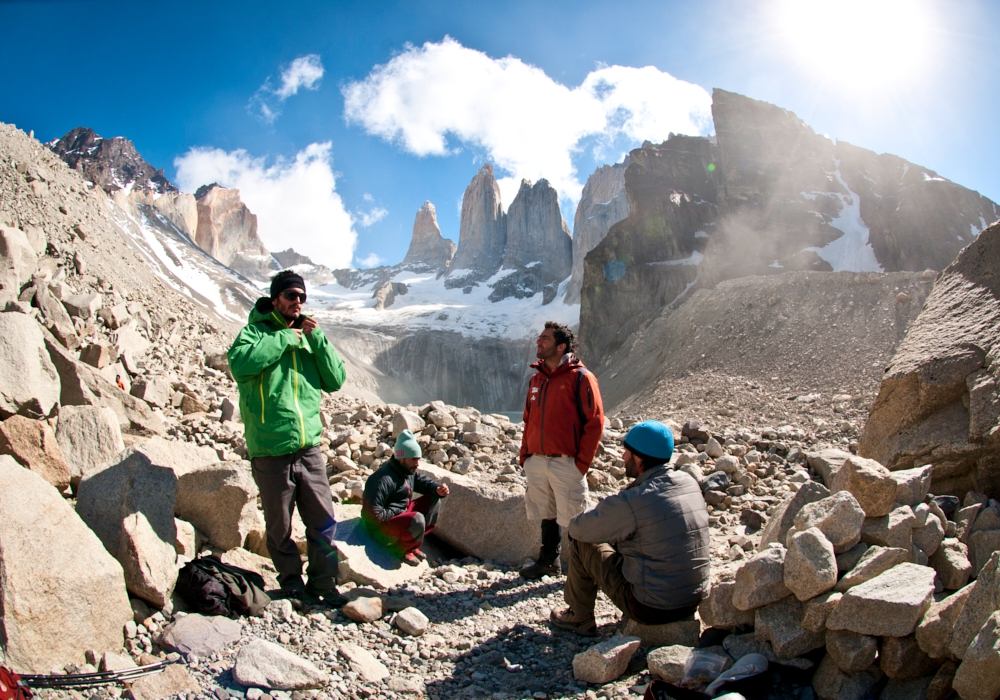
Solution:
(11, 687)
(212, 588)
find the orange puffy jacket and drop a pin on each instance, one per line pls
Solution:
(563, 413)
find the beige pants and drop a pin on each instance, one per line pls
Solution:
(556, 489)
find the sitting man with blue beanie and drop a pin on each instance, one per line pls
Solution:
(646, 547)
(388, 508)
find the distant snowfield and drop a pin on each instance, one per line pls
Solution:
(429, 305)
(853, 251)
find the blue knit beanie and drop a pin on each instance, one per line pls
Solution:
(407, 446)
(651, 438)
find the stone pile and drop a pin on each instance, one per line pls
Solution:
(874, 571)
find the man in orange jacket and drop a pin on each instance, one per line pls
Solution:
(563, 424)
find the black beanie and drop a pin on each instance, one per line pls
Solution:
(286, 280)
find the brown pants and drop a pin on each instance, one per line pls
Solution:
(594, 567)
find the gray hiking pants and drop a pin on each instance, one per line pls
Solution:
(284, 482)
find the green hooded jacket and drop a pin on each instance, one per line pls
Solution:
(281, 378)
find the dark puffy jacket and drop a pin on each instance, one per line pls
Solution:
(659, 524)
(563, 413)
(389, 490)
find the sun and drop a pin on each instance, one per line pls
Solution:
(860, 43)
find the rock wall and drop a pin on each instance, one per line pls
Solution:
(603, 204)
(227, 231)
(939, 402)
(427, 245)
(482, 234)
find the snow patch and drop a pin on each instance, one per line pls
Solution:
(929, 178)
(851, 252)
(694, 259)
(700, 234)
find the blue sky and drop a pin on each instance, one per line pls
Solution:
(525, 84)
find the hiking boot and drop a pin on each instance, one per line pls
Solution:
(568, 620)
(411, 559)
(539, 569)
(329, 597)
(419, 555)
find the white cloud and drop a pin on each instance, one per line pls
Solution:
(373, 216)
(529, 125)
(370, 260)
(303, 72)
(295, 201)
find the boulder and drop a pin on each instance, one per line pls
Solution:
(934, 632)
(827, 462)
(605, 661)
(912, 485)
(511, 537)
(61, 593)
(129, 504)
(98, 355)
(902, 659)
(873, 562)
(411, 621)
(33, 444)
(781, 624)
(89, 436)
(365, 561)
(442, 419)
(940, 685)
(849, 559)
(951, 562)
(810, 564)
(783, 518)
(892, 530)
(983, 600)
(685, 632)
(839, 517)
(930, 536)
(869, 482)
(939, 395)
(200, 635)
(262, 664)
(362, 662)
(29, 382)
(982, 544)
(364, 609)
(978, 676)
(717, 610)
(220, 500)
(890, 604)
(253, 562)
(815, 611)
(406, 420)
(153, 390)
(172, 681)
(83, 306)
(18, 262)
(761, 580)
(831, 683)
(851, 651)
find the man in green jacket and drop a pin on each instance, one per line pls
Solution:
(282, 362)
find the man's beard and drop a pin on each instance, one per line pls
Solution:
(631, 467)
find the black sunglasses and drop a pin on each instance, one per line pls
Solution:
(289, 295)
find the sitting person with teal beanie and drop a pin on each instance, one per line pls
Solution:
(389, 509)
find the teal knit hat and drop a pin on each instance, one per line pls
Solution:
(651, 438)
(407, 446)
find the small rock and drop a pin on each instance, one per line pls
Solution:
(781, 624)
(412, 621)
(364, 609)
(171, 681)
(890, 604)
(934, 632)
(892, 530)
(873, 562)
(761, 580)
(912, 485)
(838, 517)
(810, 564)
(982, 601)
(851, 651)
(200, 635)
(869, 482)
(978, 676)
(902, 659)
(363, 663)
(266, 665)
(951, 562)
(830, 683)
(606, 661)
(815, 611)
(717, 609)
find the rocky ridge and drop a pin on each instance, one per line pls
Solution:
(765, 195)
(112, 164)
(427, 245)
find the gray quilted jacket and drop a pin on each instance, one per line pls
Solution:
(659, 525)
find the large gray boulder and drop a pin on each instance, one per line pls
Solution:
(129, 504)
(510, 537)
(810, 564)
(89, 436)
(869, 482)
(761, 581)
(838, 517)
(220, 500)
(29, 383)
(61, 593)
(782, 520)
(33, 444)
(939, 402)
(18, 262)
(891, 604)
